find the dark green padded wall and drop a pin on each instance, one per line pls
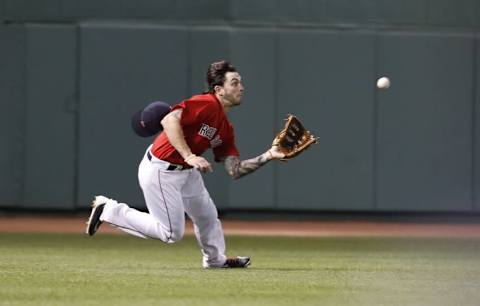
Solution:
(476, 128)
(12, 92)
(254, 53)
(451, 12)
(37, 108)
(49, 144)
(71, 77)
(425, 121)
(345, 13)
(123, 68)
(325, 77)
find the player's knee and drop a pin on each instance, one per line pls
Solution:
(176, 235)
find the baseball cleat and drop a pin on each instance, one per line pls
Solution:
(94, 221)
(237, 262)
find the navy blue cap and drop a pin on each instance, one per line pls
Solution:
(146, 122)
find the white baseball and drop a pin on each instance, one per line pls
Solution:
(383, 83)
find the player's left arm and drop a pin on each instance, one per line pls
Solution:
(237, 168)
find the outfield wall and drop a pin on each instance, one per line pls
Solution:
(71, 75)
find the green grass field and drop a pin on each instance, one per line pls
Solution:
(70, 269)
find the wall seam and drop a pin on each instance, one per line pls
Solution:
(76, 144)
(22, 172)
(474, 124)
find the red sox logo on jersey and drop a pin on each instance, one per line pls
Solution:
(208, 132)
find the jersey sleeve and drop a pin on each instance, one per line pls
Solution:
(192, 111)
(228, 148)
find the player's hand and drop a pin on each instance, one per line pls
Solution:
(199, 163)
(275, 153)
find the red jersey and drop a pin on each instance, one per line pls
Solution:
(204, 126)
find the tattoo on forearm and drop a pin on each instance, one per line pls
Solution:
(237, 168)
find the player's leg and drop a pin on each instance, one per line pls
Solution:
(162, 193)
(165, 220)
(207, 227)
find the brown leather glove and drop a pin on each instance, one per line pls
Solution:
(293, 139)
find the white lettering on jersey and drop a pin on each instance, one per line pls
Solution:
(207, 131)
(215, 142)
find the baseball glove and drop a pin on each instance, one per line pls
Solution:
(293, 139)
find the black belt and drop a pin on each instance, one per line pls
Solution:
(170, 167)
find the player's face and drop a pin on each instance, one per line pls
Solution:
(233, 88)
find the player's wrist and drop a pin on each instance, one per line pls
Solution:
(189, 157)
(269, 155)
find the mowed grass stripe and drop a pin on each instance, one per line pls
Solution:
(71, 269)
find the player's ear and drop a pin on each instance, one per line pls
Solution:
(218, 90)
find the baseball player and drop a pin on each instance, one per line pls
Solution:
(170, 173)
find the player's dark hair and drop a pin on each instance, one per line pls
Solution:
(216, 74)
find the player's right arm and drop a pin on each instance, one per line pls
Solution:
(173, 130)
